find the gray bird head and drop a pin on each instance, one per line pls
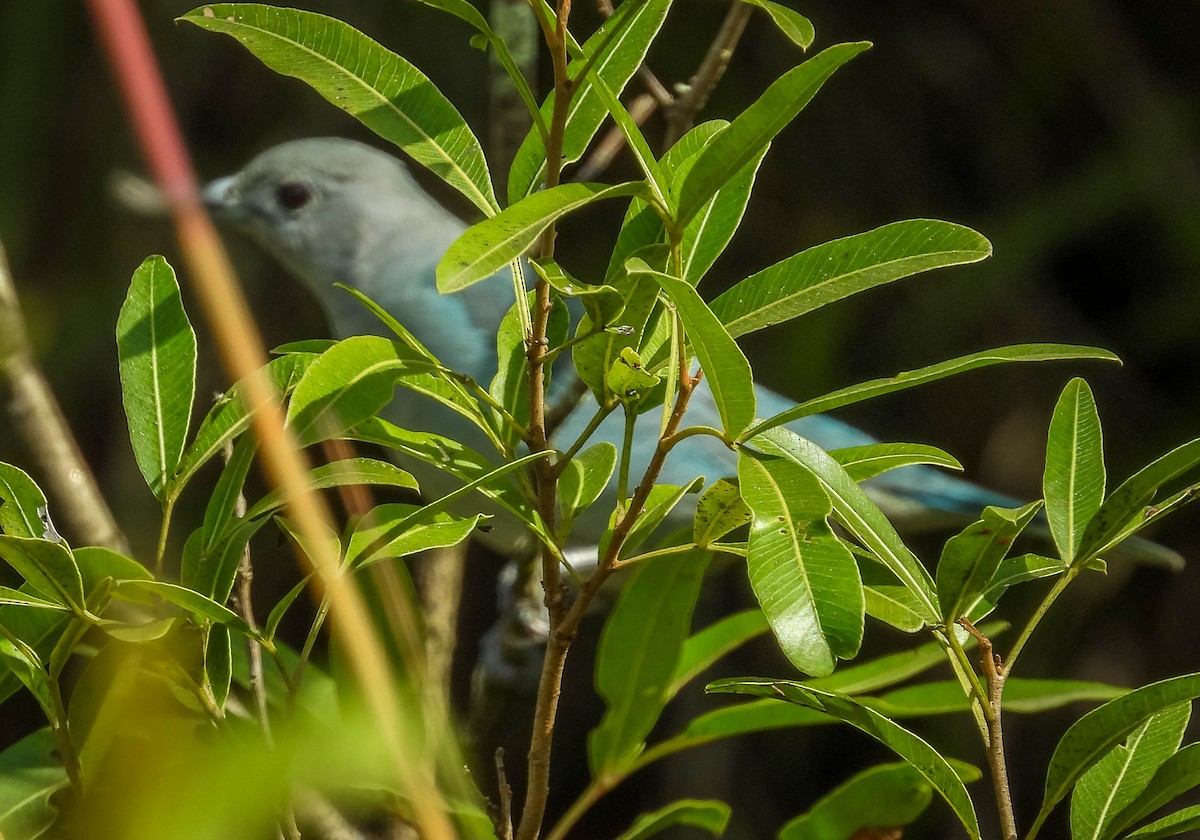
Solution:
(331, 209)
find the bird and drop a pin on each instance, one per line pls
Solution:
(337, 211)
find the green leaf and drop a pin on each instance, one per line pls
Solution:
(857, 514)
(584, 479)
(970, 559)
(1020, 696)
(1073, 482)
(756, 126)
(795, 26)
(835, 270)
(21, 504)
(380, 89)
(804, 578)
(725, 366)
(454, 458)
(510, 386)
(1177, 775)
(924, 758)
(639, 650)
(719, 638)
(663, 499)
(223, 503)
(190, 601)
(231, 416)
(890, 669)
(643, 226)
(863, 462)
(1097, 732)
(40, 629)
(705, 814)
(464, 10)
(1127, 501)
(48, 567)
(15, 598)
(348, 471)
(1014, 570)
(1172, 825)
(714, 224)
(280, 609)
(601, 302)
(931, 373)
(349, 382)
(30, 774)
(438, 384)
(374, 537)
(1119, 777)
(719, 512)
(218, 663)
(615, 52)
(886, 796)
(635, 141)
(627, 377)
(486, 247)
(157, 351)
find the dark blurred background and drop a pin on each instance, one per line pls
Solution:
(1066, 132)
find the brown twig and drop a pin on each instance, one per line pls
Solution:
(995, 675)
(537, 788)
(504, 828)
(40, 423)
(640, 109)
(692, 98)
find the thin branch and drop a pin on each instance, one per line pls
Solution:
(504, 827)
(694, 96)
(995, 673)
(537, 791)
(39, 421)
(640, 109)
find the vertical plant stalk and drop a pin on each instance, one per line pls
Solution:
(537, 789)
(995, 674)
(44, 431)
(122, 32)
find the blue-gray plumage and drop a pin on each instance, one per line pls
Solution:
(335, 210)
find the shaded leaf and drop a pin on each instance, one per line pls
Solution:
(885, 796)
(640, 648)
(924, 758)
(705, 814)
(30, 774)
(707, 646)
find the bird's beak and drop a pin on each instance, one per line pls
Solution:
(221, 200)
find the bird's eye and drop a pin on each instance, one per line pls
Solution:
(293, 195)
